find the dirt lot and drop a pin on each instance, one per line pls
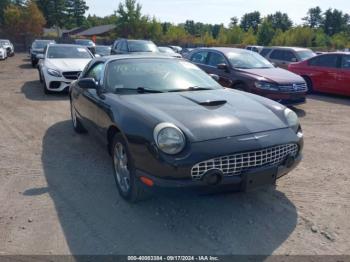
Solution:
(57, 193)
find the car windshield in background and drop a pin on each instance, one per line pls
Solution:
(306, 54)
(84, 42)
(41, 44)
(56, 52)
(142, 46)
(248, 60)
(5, 42)
(103, 50)
(158, 75)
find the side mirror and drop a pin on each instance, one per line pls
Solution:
(215, 77)
(222, 67)
(40, 56)
(294, 60)
(87, 83)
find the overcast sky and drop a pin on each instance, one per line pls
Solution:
(217, 11)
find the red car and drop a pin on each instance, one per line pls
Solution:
(328, 73)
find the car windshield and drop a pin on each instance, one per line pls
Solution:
(142, 46)
(248, 60)
(306, 54)
(84, 42)
(57, 52)
(41, 44)
(157, 75)
(103, 50)
(5, 42)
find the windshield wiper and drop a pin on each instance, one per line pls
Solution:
(140, 90)
(191, 88)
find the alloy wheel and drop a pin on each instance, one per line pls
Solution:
(121, 169)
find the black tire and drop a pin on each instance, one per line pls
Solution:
(77, 125)
(136, 191)
(40, 77)
(46, 91)
(309, 84)
(34, 64)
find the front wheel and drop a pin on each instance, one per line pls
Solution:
(309, 84)
(77, 126)
(129, 186)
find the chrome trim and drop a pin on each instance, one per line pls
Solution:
(294, 87)
(236, 164)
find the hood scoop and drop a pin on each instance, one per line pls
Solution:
(204, 99)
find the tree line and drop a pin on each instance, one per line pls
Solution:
(329, 29)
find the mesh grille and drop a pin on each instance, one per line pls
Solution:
(234, 165)
(71, 75)
(301, 87)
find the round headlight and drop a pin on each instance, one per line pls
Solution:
(291, 117)
(169, 138)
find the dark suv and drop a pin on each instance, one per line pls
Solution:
(126, 46)
(38, 47)
(284, 56)
(248, 71)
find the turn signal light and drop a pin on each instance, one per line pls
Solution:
(146, 181)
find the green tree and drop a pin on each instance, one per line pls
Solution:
(335, 22)
(250, 20)
(249, 38)
(130, 21)
(54, 11)
(75, 12)
(314, 18)
(265, 33)
(3, 5)
(280, 20)
(233, 22)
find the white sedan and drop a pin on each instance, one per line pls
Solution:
(60, 65)
(3, 53)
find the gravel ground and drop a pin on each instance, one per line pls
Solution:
(57, 192)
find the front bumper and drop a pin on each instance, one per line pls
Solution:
(258, 177)
(57, 84)
(290, 98)
(168, 171)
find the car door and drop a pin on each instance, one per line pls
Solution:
(200, 59)
(323, 71)
(282, 58)
(215, 59)
(87, 99)
(344, 75)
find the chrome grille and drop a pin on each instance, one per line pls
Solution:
(73, 75)
(298, 87)
(234, 165)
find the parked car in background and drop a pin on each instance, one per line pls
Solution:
(3, 52)
(103, 50)
(186, 51)
(168, 51)
(176, 48)
(37, 48)
(329, 73)
(126, 46)
(283, 56)
(248, 71)
(10, 50)
(254, 48)
(168, 124)
(61, 64)
(87, 43)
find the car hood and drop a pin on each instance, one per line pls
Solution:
(207, 115)
(67, 64)
(277, 75)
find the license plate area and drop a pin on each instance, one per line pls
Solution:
(255, 180)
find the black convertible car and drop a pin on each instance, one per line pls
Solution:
(168, 124)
